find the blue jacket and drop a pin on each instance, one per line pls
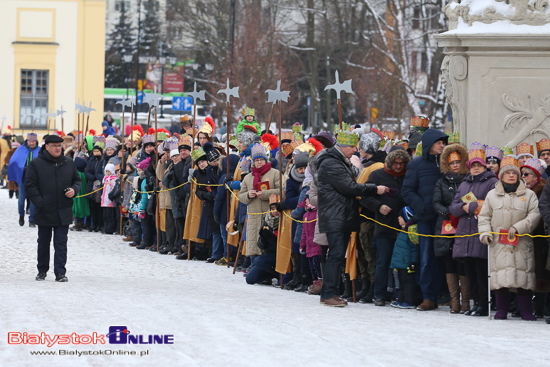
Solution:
(220, 202)
(18, 162)
(405, 253)
(421, 177)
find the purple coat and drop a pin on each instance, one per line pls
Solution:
(308, 231)
(480, 185)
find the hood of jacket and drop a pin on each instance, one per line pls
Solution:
(378, 157)
(444, 160)
(429, 138)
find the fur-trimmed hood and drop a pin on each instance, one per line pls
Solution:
(400, 153)
(444, 161)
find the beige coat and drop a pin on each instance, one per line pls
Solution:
(257, 205)
(164, 196)
(511, 266)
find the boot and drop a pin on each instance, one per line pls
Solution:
(524, 306)
(306, 282)
(77, 226)
(315, 288)
(128, 238)
(502, 301)
(348, 293)
(369, 296)
(540, 302)
(427, 305)
(364, 289)
(11, 194)
(296, 279)
(465, 292)
(452, 283)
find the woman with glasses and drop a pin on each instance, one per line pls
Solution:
(511, 208)
(453, 167)
(466, 206)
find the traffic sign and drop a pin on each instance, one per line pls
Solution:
(182, 103)
(140, 97)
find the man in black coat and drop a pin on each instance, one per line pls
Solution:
(51, 184)
(338, 211)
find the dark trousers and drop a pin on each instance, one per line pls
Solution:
(409, 291)
(96, 213)
(180, 226)
(110, 220)
(428, 277)
(476, 271)
(59, 245)
(384, 251)
(337, 246)
(135, 229)
(149, 230)
(170, 228)
(263, 269)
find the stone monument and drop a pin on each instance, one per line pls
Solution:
(497, 70)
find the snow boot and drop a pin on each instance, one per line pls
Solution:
(524, 306)
(306, 282)
(540, 301)
(296, 279)
(365, 285)
(452, 283)
(348, 292)
(465, 293)
(502, 301)
(369, 296)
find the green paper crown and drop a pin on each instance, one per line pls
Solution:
(296, 128)
(197, 153)
(418, 152)
(162, 136)
(344, 128)
(507, 151)
(249, 112)
(347, 138)
(454, 138)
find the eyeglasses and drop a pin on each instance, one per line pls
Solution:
(56, 145)
(398, 163)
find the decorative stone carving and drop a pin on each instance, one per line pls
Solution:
(528, 120)
(454, 69)
(530, 12)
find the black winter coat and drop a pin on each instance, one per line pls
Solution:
(45, 184)
(337, 192)
(94, 171)
(394, 201)
(444, 193)
(207, 195)
(544, 204)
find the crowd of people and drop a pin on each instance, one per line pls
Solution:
(417, 223)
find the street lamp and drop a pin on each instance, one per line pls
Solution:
(127, 60)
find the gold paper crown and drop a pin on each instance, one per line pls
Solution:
(476, 153)
(273, 199)
(524, 148)
(206, 128)
(249, 112)
(287, 135)
(185, 140)
(454, 156)
(347, 138)
(344, 128)
(543, 144)
(389, 134)
(454, 138)
(420, 121)
(509, 160)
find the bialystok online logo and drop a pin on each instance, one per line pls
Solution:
(117, 335)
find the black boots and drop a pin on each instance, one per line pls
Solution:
(348, 291)
(22, 221)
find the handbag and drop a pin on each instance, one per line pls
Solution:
(151, 205)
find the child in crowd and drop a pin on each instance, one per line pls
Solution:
(107, 205)
(310, 248)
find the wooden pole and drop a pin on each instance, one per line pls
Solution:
(78, 142)
(122, 166)
(340, 113)
(227, 176)
(33, 122)
(47, 126)
(194, 126)
(280, 170)
(268, 123)
(62, 124)
(157, 216)
(131, 132)
(239, 248)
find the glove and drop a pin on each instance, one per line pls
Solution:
(217, 218)
(191, 172)
(486, 239)
(279, 207)
(156, 189)
(235, 226)
(228, 180)
(142, 214)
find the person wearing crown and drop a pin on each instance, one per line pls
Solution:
(493, 157)
(338, 209)
(206, 132)
(543, 152)
(524, 151)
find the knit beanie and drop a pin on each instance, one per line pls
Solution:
(301, 159)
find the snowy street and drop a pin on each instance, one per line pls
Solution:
(216, 319)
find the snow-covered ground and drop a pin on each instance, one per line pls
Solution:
(218, 320)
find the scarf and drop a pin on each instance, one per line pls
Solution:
(258, 173)
(247, 152)
(393, 173)
(298, 177)
(508, 188)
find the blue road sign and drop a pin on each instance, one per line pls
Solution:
(182, 103)
(140, 97)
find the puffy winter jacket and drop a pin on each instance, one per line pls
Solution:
(45, 183)
(422, 174)
(338, 209)
(405, 253)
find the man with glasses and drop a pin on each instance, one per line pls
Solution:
(51, 184)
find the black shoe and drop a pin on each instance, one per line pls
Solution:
(182, 256)
(480, 311)
(142, 247)
(61, 278)
(41, 276)
(153, 249)
(32, 225)
(22, 221)
(302, 288)
(211, 260)
(379, 302)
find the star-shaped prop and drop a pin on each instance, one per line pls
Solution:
(125, 102)
(153, 99)
(275, 95)
(229, 92)
(339, 87)
(60, 112)
(197, 94)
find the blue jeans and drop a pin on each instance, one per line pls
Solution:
(337, 246)
(59, 245)
(223, 232)
(264, 268)
(428, 277)
(384, 251)
(21, 203)
(217, 246)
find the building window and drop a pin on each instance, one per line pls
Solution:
(119, 4)
(34, 98)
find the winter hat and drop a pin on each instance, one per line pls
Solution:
(247, 135)
(370, 142)
(53, 139)
(174, 152)
(535, 165)
(109, 167)
(325, 138)
(105, 124)
(359, 131)
(476, 154)
(509, 163)
(258, 151)
(111, 143)
(32, 137)
(524, 149)
(212, 153)
(144, 164)
(301, 159)
(80, 164)
(414, 139)
(198, 155)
